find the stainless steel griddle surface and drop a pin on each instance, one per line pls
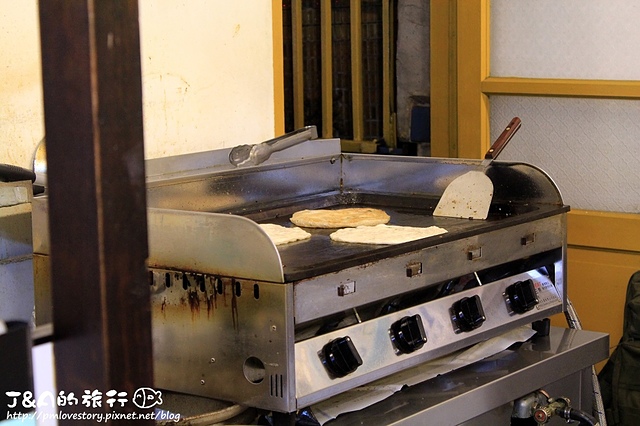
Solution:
(320, 255)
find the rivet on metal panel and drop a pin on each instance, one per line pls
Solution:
(474, 253)
(528, 239)
(212, 360)
(202, 382)
(346, 288)
(274, 328)
(413, 269)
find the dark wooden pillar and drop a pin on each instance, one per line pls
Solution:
(97, 204)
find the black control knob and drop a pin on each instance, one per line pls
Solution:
(407, 334)
(522, 296)
(468, 313)
(340, 356)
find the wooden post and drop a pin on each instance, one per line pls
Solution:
(97, 202)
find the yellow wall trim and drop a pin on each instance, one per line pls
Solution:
(565, 87)
(444, 134)
(472, 68)
(278, 67)
(603, 253)
(604, 230)
(326, 69)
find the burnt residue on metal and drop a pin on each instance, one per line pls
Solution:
(234, 309)
(211, 298)
(232, 285)
(202, 291)
(194, 301)
(223, 286)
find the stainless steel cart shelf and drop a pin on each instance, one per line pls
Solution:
(481, 393)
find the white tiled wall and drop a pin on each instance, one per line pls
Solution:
(590, 147)
(585, 39)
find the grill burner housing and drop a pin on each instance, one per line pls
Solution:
(280, 328)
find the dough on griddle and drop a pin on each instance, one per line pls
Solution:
(283, 235)
(384, 234)
(339, 218)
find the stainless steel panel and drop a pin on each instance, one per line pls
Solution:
(211, 243)
(384, 278)
(199, 164)
(371, 338)
(200, 318)
(212, 186)
(228, 338)
(211, 190)
(513, 182)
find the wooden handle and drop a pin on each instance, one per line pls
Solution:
(503, 139)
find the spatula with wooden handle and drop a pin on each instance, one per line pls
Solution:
(469, 196)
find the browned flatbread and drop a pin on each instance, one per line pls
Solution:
(339, 218)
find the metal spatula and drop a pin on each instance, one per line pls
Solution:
(469, 196)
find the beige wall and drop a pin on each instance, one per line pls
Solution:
(207, 73)
(21, 119)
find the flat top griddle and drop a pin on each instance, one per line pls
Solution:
(320, 255)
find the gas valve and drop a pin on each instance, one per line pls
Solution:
(544, 413)
(540, 408)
